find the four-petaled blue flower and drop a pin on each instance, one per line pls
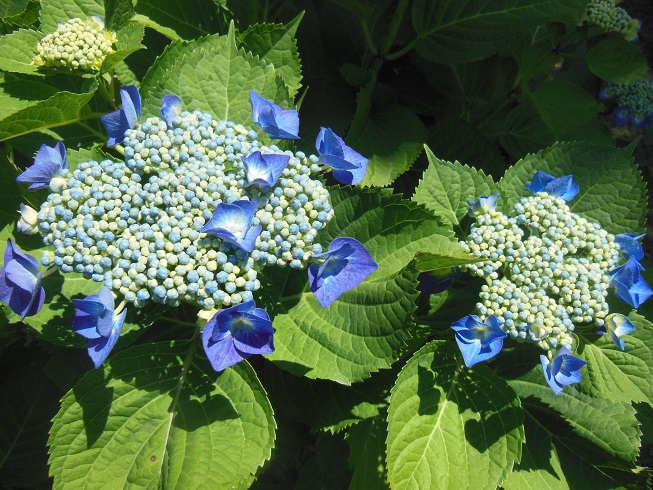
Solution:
(233, 223)
(96, 320)
(278, 123)
(630, 287)
(630, 246)
(563, 187)
(482, 205)
(478, 341)
(117, 122)
(346, 264)
(235, 333)
(264, 170)
(348, 166)
(20, 282)
(48, 164)
(617, 325)
(563, 370)
(170, 108)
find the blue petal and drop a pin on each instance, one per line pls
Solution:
(630, 286)
(222, 354)
(478, 341)
(233, 223)
(276, 122)
(20, 282)
(548, 375)
(264, 170)
(348, 166)
(170, 108)
(99, 349)
(131, 104)
(621, 116)
(347, 264)
(630, 246)
(116, 124)
(482, 205)
(563, 187)
(47, 164)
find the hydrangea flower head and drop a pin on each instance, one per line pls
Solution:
(630, 287)
(630, 245)
(117, 122)
(170, 108)
(28, 222)
(95, 319)
(348, 166)
(233, 223)
(48, 164)
(20, 282)
(235, 333)
(264, 170)
(478, 341)
(563, 187)
(563, 370)
(617, 325)
(277, 122)
(482, 205)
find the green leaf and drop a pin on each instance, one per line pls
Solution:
(75, 157)
(211, 74)
(391, 138)
(611, 189)
(524, 131)
(17, 51)
(184, 20)
(54, 11)
(616, 60)
(128, 41)
(564, 106)
(449, 426)
(367, 454)
(158, 416)
(276, 44)
(446, 187)
(29, 400)
(444, 261)
(369, 327)
(620, 375)
(470, 30)
(10, 8)
(118, 13)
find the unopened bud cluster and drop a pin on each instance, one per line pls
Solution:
(136, 224)
(76, 45)
(634, 101)
(606, 14)
(546, 270)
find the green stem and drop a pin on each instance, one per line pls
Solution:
(119, 149)
(393, 28)
(104, 92)
(403, 51)
(49, 271)
(368, 36)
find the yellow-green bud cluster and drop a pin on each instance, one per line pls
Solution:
(546, 270)
(76, 45)
(610, 18)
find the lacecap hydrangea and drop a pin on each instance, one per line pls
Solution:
(610, 18)
(76, 45)
(191, 214)
(634, 102)
(548, 272)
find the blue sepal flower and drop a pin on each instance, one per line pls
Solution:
(621, 115)
(348, 166)
(630, 246)
(235, 333)
(563, 187)
(563, 370)
(20, 282)
(48, 164)
(346, 264)
(264, 170)
(478, 341)
(170, 108)
(233, 223)
(617, 325)
(278, 123)
(96, 320)
(630, 287)
(117, 122)
(482, 205)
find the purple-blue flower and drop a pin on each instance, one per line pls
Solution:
(563, 187)
(482, 205)
(264, 169)
(117, 122)
(96, 320)
(563, 369)
(233, 223)
(345, 265)
(20, 282)
(170, 108)
(235, 333)
(621, 115)
(617, 325)
(629, 285)
(629, 245)
(348, 166)
(48, 164)
(278, 123)
(478, 341)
